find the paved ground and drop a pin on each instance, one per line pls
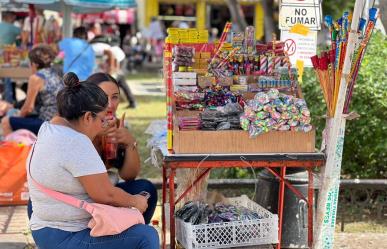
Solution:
(14, 233)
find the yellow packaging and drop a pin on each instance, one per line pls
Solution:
(205, 55)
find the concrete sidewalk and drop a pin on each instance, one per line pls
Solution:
(14, 233)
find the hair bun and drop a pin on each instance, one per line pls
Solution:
(71, 80)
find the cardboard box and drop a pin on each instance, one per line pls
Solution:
(200, 71)
(203, 61)
(184, 82)
(225, 81)
(238, 141)
(184, 75)
(205, 55)
(206, 81)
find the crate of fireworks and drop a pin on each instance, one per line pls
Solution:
(231, 234)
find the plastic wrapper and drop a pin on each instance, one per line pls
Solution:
(281, 108)
(293, 122)
(231, 108)
(183, 51)
(273, 93)
(245, 122)
(304, 110)
(268, 108)
(279, 112)
(275, 115)
(262, 98)
(284, 128)
(262, 115)
(255, 106)
(223, 126)
(300, 103)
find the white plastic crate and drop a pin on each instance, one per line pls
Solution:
(230, 234)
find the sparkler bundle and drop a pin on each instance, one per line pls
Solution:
(329, 65)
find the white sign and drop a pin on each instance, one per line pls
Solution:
(300, 47)
(309, 16)
(300, 2)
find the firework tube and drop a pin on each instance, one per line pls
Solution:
(216, 55)
(232, 53)
(315, 63)
(225, 32)
(168, 79)
(331, 82)
(363, 47)
(329, 24)
(277, 62)
(263, 63)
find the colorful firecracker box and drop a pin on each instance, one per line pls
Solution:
(240, 67)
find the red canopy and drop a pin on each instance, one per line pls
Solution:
(116, 16)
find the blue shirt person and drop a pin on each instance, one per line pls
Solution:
(79, 56)
(8, 31)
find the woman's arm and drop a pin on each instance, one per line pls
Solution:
(132, 163)
(100, 190)
(35, 84)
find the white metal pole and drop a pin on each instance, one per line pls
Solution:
(327, 203)
(67, 27)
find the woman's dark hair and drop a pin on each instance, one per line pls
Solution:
(77, 98)
(98, 78)
(42, 56)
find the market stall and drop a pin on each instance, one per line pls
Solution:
(231, 104)
(238, 104)
(14, 63)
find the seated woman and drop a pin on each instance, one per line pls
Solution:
(43, 86)
(65, 160)
(127, 159)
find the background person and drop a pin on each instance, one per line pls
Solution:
(128, 161)
(33, 28)
(8, 36)
(109, 57)
(65, 160)
(43, 86)
(79, 56)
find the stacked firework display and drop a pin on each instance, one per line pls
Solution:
(337, 71)
(329, 65)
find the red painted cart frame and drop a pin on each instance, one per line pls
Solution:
(275, 163)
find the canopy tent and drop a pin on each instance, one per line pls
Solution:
(78, 6)
(116, 16)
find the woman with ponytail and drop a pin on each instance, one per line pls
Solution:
(64, 159)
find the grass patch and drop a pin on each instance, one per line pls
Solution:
(363, 227)
(149, 108)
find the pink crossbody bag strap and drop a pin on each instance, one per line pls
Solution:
(72, 201)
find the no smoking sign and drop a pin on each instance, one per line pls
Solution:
(300, 47)
(290, 47)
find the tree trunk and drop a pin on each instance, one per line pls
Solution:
(383, 14)
(268, 19)
(237, 14)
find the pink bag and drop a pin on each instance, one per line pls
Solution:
(106, 219)
(21, 136)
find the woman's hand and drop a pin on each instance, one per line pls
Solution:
(123, 136)
(120, 134)
(140, 202)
